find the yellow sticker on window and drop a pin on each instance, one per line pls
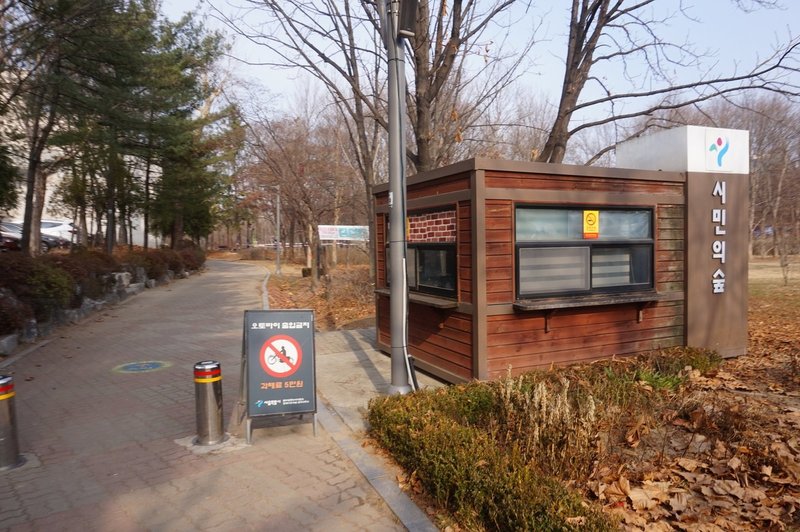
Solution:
(591, 224)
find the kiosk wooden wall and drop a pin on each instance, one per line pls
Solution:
(482, 332)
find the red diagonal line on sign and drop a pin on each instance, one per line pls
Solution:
(278, 353)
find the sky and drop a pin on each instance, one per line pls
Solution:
(734, 39)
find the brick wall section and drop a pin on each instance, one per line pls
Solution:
(432, 227)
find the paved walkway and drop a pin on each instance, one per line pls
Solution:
(108, 450)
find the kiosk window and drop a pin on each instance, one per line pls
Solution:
(555, 257)
(431, 268)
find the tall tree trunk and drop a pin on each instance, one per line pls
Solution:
(83, 229)
(177, 227)
(33, 214)
(39, 196)
(309, 244)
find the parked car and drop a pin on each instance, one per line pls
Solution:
(60, 228)
(9, 241)
(14, 231)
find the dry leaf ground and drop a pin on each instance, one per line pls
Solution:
(726, 456)
(723, 455)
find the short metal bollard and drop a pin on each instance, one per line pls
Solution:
(208, 401)
(9, 442)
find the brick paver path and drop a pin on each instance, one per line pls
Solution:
(104, 447)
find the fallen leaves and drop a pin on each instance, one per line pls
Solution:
(722, 464)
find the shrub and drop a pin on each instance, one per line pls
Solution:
(95, 261)
(192, 255)
(51, 288)
(173, 260)
(90, 270)
(35, 282)
(466, 469)
(133, 259)
(155, 263)
(14, 269)
(13, 312)
(499, 454)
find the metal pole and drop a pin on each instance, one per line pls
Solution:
(208, 402)
(278, 229)
(9, 441)
(397, 208)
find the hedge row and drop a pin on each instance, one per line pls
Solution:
(502, 455)
(445, 439)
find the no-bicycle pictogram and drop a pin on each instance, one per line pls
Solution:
(280, 356)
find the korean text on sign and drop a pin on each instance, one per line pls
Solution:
(281, 325)
(719, 219)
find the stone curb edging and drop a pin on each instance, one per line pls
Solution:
(17, 356)
(401, 504)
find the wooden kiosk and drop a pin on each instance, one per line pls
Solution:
(524, 265)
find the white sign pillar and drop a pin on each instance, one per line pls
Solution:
(717, 226)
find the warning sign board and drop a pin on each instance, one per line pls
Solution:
(278, 362)
(591, 224)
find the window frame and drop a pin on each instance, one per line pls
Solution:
(451, 259)
(648, 244)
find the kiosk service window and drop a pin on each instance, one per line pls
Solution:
(582, 251)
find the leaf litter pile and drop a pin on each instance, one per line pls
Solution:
(343, 299)
(718, 450)
(724, 451)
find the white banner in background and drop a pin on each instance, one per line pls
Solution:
(344, 232)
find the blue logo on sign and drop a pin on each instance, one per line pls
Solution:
(720, 146)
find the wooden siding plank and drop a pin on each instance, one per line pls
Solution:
(670, 287)
(438, 187)
(499, 367)
(499, 261)
(499, 209)
(669, 255)
(452, 367)
(501, 285)
(499, 248)
(506, 353)
(568, 183)
(499, 235)
(670, 266)
(670, 234)
(670, 245)
(536, 340)
(495, 274)
(671, 223)
(670, 211)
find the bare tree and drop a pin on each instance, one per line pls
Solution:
(624, 33)
(303, 153)
(461, 68)
(772, 121)
(337, 44)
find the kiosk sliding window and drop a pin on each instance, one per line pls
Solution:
(431, 268)
(555, 257)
